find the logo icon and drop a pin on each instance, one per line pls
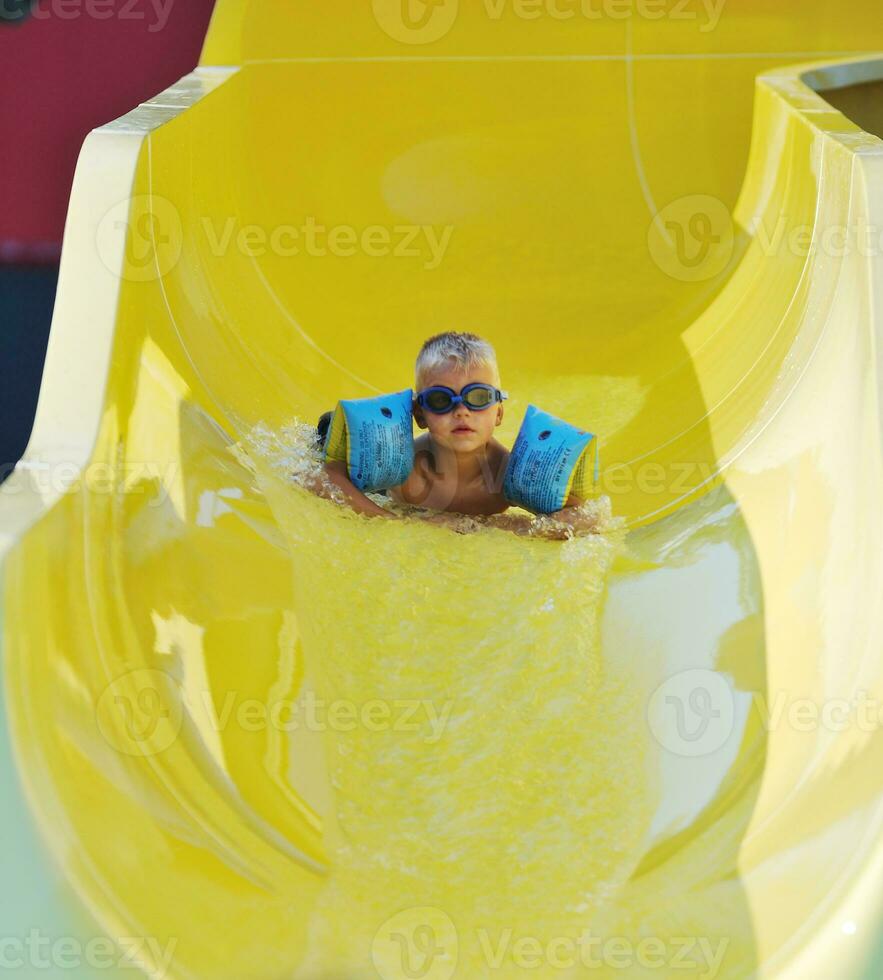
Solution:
(692, 239)
(692, 713)
(417, 944)
(140, 713)
(14, 11)
(140, 239)
(415, 21)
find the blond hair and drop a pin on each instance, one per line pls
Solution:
(465, 350)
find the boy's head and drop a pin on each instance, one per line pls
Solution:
(455, 360)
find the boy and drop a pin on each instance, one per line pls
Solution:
(458, 464)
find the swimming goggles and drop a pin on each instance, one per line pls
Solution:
(439, 400)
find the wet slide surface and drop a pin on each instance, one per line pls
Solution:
(267, 737)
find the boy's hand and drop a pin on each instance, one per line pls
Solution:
(456, 522)
(563, 524)
(553, 533)
(576, 518)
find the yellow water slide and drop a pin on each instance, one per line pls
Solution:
(257, 736)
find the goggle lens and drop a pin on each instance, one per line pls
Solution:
(438, 401)
(479, 398)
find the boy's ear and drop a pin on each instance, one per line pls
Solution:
(499, 413)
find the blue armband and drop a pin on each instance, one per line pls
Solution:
(549, 461)
(375, 437)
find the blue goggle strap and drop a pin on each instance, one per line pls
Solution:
(498, 395)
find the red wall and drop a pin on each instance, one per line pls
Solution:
(65, 70)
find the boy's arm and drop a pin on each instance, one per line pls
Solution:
(569, 515)
(337, 473)
(413, 491)
(572, 514)
(566, 511)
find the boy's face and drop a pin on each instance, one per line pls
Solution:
(463, 429)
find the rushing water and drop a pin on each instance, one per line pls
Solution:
(489, 779)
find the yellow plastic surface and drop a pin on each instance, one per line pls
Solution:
(637, 210)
